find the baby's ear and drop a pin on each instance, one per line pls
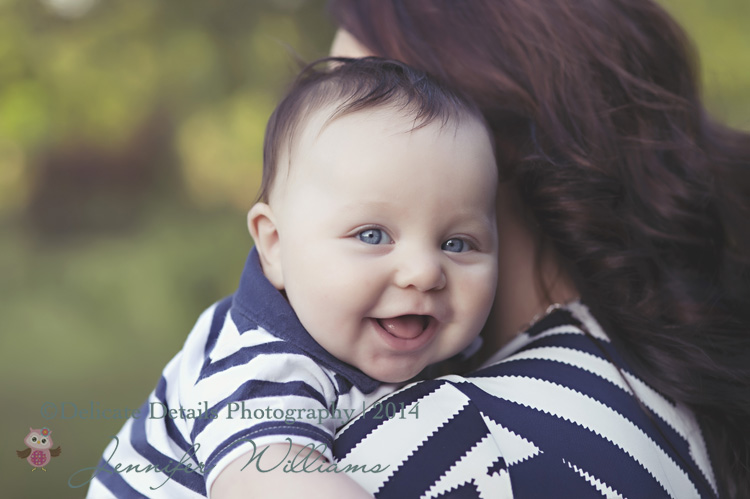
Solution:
(262, 225)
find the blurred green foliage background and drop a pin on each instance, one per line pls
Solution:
(130, 150)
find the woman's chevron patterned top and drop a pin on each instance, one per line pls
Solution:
(553, 414)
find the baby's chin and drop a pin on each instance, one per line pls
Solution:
(393, 374)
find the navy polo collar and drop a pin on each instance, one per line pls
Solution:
(257, 302)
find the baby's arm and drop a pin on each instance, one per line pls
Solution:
(243, 478)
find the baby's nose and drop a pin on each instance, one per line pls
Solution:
(421, 270)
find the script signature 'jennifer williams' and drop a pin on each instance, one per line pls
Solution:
(304, 461)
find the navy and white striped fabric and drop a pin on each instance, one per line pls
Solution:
(247, 349)
(549, 416)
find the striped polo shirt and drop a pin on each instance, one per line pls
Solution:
(556, 413)
(248, 375)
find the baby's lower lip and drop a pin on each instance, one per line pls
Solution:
(406, 344)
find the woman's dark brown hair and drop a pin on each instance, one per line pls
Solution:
(597, 115)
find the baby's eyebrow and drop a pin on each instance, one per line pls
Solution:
(472, 219)
(482, 224)
(361, 204)
(472, 214)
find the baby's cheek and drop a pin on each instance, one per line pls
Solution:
(475, 301)
(478, 289)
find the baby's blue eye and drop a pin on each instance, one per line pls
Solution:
(455, 245)
(374, 236)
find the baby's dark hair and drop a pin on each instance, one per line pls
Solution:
(351, 85)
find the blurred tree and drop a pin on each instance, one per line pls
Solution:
(97, 97)
(721, 34)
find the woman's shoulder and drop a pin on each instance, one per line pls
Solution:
(558, 407)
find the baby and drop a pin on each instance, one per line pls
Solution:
(375, 256)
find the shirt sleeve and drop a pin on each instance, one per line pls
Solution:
(427, 440)
(253, 390)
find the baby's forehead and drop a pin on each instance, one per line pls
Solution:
(401, 118)
(318, 129)
(327, 146)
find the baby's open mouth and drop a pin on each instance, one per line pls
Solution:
(406, 327)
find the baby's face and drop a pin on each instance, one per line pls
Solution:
(388, 241)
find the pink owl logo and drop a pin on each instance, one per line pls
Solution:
(38, 453)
